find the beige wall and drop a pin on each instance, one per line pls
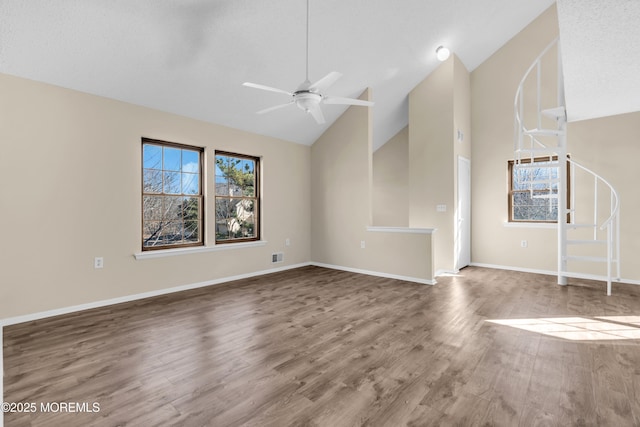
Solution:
(461, 111)
(71, 191)
(610, 146)
(462, 145)
(431, 159)
(430, 149)
(390, 192)
(340, 207)
(493, 86)
(438, 107)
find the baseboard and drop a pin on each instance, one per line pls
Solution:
(76, 308)
(128, 298)
(520, 269)
(375, 273)
(555, 273)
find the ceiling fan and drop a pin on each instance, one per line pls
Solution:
(308, 96)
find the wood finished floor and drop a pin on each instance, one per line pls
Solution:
(319, 347)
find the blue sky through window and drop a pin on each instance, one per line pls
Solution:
(180, 169)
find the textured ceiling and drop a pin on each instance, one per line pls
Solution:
(600, 56)
(190, 57)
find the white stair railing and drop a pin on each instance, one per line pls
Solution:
(519, 105)
(604, 219)
(537, 141)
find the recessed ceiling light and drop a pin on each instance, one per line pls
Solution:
(442, 53)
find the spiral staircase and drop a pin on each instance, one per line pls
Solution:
(590, 206)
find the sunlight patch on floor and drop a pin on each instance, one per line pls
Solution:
(450, 274)
(580, 328)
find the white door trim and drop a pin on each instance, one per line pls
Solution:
(463, 215)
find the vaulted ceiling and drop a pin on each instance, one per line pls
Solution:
(190, 57)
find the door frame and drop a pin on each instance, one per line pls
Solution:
(462, 231)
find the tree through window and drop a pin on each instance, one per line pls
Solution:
(237, 197)
(171, 195)
(533, 190)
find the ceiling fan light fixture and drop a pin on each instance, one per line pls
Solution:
(442, 53)
(306, 100)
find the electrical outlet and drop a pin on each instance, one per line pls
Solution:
(441, 208)
(524, 243)
(98, 262)
(362, 244)
(287, 242)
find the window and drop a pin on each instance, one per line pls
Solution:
(172, 214)
(237, 198)
(533, 190)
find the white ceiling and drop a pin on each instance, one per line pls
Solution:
(190, 57)
(601, 56)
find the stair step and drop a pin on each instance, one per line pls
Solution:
(586, 242)
(545, 196)
(556, 113)
(544, 132)
(581, 225)
(578, 275)
(586, 258)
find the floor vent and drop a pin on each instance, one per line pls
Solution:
(277, 257)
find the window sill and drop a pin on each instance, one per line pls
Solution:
(162, 253)
(401, 230)
(530, 225)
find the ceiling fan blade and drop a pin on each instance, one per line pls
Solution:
(275, 107)
(269, 88)
(316, 112)
(322, 84)
(346, 101)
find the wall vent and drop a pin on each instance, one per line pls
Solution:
(277, 257)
